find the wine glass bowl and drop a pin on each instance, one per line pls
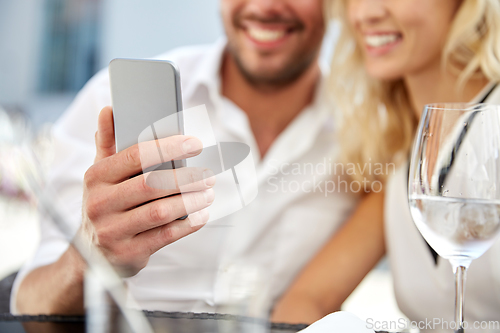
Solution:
(454, 183)
(457, 229)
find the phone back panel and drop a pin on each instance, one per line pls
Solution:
(144, 92)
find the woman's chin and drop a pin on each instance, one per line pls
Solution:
(383, 73)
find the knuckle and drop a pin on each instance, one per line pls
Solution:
(90, 177)
(132, 156)
(104, 239)
(144, 186)
(93, 207)
(167, 233)
(159, 213)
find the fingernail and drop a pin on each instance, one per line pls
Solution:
(191, 145)
(208, 178)
(209, 195)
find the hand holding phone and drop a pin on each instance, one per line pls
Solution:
(123, 215)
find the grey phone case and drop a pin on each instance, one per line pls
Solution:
(144, 92)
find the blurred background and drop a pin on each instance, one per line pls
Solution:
(48, 51)
(50, 48)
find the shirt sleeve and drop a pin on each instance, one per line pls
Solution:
(74, 152)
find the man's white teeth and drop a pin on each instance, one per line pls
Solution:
(265, 35)
(380, 40)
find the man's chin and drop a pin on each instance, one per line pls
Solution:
(270, 70)
(273, 76)
(269, 78)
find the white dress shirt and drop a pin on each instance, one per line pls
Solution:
(273, 237)
(424, 289)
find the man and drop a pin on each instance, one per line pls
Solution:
(261, 87)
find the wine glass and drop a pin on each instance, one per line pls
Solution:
(454, 185)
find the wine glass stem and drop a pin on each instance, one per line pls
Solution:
(460, 276)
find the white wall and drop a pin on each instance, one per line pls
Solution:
(128, 28)
(20, 39)
(145, 28)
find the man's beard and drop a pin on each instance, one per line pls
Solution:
(278, 79)
(296, 65)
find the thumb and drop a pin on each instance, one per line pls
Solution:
(105, 135)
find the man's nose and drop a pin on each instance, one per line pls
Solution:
(267, 7)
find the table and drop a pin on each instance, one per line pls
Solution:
(171, 322)
(162, 322)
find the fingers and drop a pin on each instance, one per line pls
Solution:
(158, 184)
(175, 147)
(119, 210)
(155, 239)
(135, 159)
(164, 211)
(105, 135)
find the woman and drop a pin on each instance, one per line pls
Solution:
(392, 58)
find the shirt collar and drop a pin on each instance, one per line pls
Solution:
(299, 136)
(208, 74)
(302, 133)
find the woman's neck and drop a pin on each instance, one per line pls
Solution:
(435, 85)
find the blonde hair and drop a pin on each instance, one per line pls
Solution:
(377, 123)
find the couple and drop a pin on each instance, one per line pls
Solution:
(264, 87)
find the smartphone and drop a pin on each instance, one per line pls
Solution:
(143, 94)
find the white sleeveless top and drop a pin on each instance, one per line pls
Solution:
(423, 289)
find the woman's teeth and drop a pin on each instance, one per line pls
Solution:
(265, 35)
(380, 40)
